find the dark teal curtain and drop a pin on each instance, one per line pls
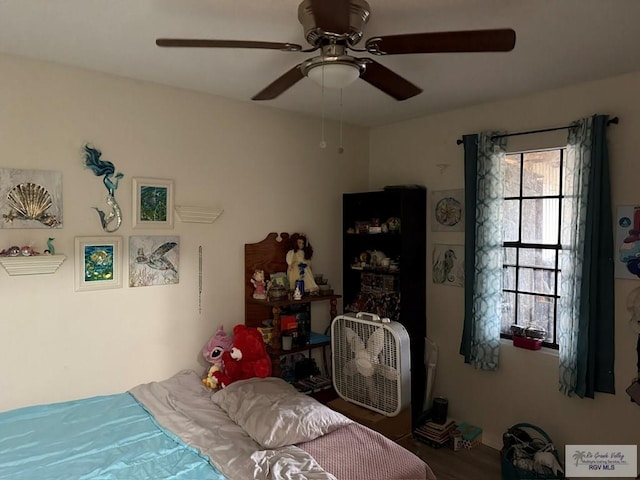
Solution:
(470, 143)
(596, 342)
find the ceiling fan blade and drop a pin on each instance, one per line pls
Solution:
(282, 83)
(331, 15)
(204, 43)
(500, 40)
(388, 81)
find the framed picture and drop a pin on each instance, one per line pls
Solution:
(154, 260)
(447, 212)
(627, 264)
(448, 265)
(30, 198)
(98, 263)
(152, 203)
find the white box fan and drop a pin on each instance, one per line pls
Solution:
(371, 362)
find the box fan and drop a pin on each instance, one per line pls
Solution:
(371, 362)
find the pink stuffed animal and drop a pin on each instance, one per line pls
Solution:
(247, 358)
(212, 353)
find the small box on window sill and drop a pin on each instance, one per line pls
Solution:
(528, 343)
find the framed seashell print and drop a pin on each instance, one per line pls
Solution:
(30, 198)
(152, 203)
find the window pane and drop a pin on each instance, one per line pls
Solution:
(511, 221)
(540, 220)
(537, 257)
(509, 256)
(509, 280)
(535, 280)
(512, 175)
(541, 173)
(525, 309)
(536, 311)
(508, 312)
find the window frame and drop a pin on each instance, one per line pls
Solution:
(519, 245)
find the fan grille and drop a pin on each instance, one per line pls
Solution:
(370, 363)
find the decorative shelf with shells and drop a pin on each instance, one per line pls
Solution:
(197, 214)
(32, 265)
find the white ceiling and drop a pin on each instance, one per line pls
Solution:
(558, 43)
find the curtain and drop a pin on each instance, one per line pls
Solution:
(586, 309)
(484, 180)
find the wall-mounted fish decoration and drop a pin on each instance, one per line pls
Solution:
(110, 178)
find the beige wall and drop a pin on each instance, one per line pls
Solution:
(525, 388)
(262, 166)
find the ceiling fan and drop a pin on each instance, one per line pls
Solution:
(334, 27)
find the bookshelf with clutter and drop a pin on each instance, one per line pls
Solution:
(280, 288)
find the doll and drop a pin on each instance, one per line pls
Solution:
(299, 262)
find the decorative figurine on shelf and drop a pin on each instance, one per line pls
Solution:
(258, 282)
(51, 250)
(13, 251)
(301, 253)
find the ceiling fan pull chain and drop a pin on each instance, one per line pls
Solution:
(323, 142)
(340, 147)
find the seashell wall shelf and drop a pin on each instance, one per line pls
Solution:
(32, 265)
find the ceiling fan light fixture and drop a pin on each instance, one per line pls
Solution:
(334, 75)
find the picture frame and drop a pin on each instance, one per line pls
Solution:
(98, 263)
(154, 260)
(447, 211)
(448, 265)
(41, 189)
(153, 203)
(627, 242)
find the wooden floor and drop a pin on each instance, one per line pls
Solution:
(478, 463)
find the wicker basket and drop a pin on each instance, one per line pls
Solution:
(521, 442)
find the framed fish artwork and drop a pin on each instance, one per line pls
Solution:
(98, 263)
(152, 203)
(153, 260)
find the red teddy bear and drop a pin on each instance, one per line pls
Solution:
(247, 358)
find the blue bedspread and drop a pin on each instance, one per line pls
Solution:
(109, 437)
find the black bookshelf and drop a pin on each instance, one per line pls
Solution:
(396, 288)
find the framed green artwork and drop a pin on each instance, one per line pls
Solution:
(152, 203)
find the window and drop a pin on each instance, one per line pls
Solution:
(532, 211)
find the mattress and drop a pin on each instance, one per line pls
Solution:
(178, 429)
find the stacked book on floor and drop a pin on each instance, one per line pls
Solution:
(435, 434)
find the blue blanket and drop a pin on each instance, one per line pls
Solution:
(107, 438)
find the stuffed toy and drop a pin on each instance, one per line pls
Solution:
(212, 353)
(247, 358)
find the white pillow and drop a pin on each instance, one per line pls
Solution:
(275, 414)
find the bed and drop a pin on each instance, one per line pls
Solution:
(179, 429)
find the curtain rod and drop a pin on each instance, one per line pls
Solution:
(614, 120)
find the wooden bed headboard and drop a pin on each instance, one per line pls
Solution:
(268, 255)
